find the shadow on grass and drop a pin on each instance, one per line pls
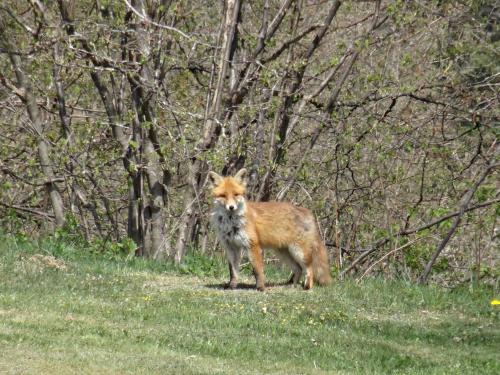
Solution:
(249, 286)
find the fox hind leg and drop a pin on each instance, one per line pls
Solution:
(302, 258)
(308, 282)
(285, 256)
(296, 274)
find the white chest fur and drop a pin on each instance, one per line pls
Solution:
(230, 226)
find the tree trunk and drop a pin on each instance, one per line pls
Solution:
(211, 131)
(151, 159)
(293, 84)
(26, 95)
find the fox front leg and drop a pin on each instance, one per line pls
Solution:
(257, 259)
(233, 257)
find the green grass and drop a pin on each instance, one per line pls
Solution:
(68, 311)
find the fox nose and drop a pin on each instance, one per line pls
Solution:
(231, 207)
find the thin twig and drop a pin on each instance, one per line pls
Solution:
(388, 254)
(145, 18)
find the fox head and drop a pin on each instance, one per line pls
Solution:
(229, 192)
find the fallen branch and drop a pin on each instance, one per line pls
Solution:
(407, 232)
(29, 210)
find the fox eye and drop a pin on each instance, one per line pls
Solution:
(221, 196)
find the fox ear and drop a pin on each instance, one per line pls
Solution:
(214, 179)
(241, 176)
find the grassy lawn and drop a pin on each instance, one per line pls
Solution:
(68, 312)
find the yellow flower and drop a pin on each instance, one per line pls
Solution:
(495, 302)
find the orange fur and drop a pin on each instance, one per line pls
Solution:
(289, 230)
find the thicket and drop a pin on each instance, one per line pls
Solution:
(382, 117)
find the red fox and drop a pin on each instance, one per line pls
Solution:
(289, 230)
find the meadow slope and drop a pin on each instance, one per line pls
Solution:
(67, 313)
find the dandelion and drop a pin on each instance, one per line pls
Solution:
(495, 302)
